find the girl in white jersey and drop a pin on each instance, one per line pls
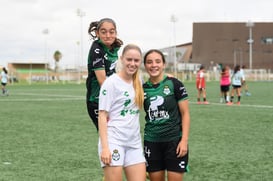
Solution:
(236, 79)
(120, 100)
(4, 81)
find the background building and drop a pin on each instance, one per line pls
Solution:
(213, 44)
(229, 44)
(39, 71)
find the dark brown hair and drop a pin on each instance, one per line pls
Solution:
(156, 51)
(96, 25)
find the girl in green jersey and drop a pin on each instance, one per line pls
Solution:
(167, 118)
(102, 60)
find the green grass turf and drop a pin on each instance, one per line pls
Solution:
(46, 134)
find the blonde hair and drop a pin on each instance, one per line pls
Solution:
(139, 94)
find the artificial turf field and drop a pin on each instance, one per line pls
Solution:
(46, 134)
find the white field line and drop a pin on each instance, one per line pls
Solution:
(235, 105)
(50, 97)
(60, 97)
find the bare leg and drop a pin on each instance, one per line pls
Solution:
(157, 176)
(136, 172)
(113, 173)
(173, 176)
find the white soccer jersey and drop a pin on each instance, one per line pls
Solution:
(4, 77)
(117, 98)
(243, 74)
(237, 78)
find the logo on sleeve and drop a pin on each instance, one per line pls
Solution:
(97, 50)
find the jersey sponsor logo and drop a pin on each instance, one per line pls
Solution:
(126, 103)
(113, 65)
(154, 112)
(130, 111)
(183, 90)
(97, 61)
(115, 155)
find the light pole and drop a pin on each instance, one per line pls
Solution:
(78, 51)
(81, 14)
(46, 32)
(30, 72)
(250, 41)
(174, 20)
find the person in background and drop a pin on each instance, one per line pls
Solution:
(120, 100)
(102, 60)
(244, 84)
(167, 119)
(201, 86)
(4, 81)
(224, 85)
(236, 79)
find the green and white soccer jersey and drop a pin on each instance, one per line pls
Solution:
(117, 97)
(99, 58)
(163, 119)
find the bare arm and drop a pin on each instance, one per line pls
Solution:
(101, 76)
(182, 147)
(105, 152)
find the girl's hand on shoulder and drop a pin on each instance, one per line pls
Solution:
(170, 75)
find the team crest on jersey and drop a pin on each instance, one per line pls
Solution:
(115, 155)
(166, 90)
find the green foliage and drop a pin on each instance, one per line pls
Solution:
(46, 134)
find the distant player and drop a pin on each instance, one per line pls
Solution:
(201, 86)
(244, 84)
(4, 81)
(225, 84)
(237, 79)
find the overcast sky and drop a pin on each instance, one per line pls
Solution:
(143, 22)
